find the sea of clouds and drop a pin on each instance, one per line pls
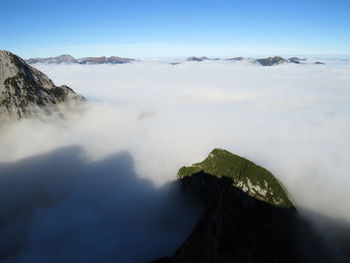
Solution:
(143, 121)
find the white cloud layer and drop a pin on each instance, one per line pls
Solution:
(292, 119)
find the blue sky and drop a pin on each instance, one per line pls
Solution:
(161, 28)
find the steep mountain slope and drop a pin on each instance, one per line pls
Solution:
(238, 223)
(24, 88)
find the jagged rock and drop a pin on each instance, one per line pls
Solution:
(271, 61)
(24, 88)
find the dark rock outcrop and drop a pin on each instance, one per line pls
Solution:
(319, 63)
(24, 88)
(234, 227)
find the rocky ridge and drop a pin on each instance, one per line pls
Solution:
(23, 89)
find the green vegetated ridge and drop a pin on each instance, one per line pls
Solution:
(251, 178)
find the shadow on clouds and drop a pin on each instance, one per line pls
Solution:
(59, 207)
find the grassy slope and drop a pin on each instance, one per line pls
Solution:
(251, 178)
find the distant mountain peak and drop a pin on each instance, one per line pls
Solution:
(271, 61)
(198, 59)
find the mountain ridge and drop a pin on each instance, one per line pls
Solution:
(23, 89)
(68, 59)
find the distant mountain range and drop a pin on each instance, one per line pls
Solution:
(270, 61)
(68, 59)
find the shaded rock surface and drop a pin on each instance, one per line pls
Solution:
(23, 88)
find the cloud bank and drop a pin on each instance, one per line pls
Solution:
(292, 119)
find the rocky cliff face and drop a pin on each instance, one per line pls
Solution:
(234, 226)
(238, 223)
(24, 88)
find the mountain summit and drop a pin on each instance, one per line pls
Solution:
(255, 180)
(24, 88)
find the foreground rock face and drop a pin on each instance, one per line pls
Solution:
(23, 88)
(237, 225)
(234, 226)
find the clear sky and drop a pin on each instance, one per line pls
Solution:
(163, 28)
